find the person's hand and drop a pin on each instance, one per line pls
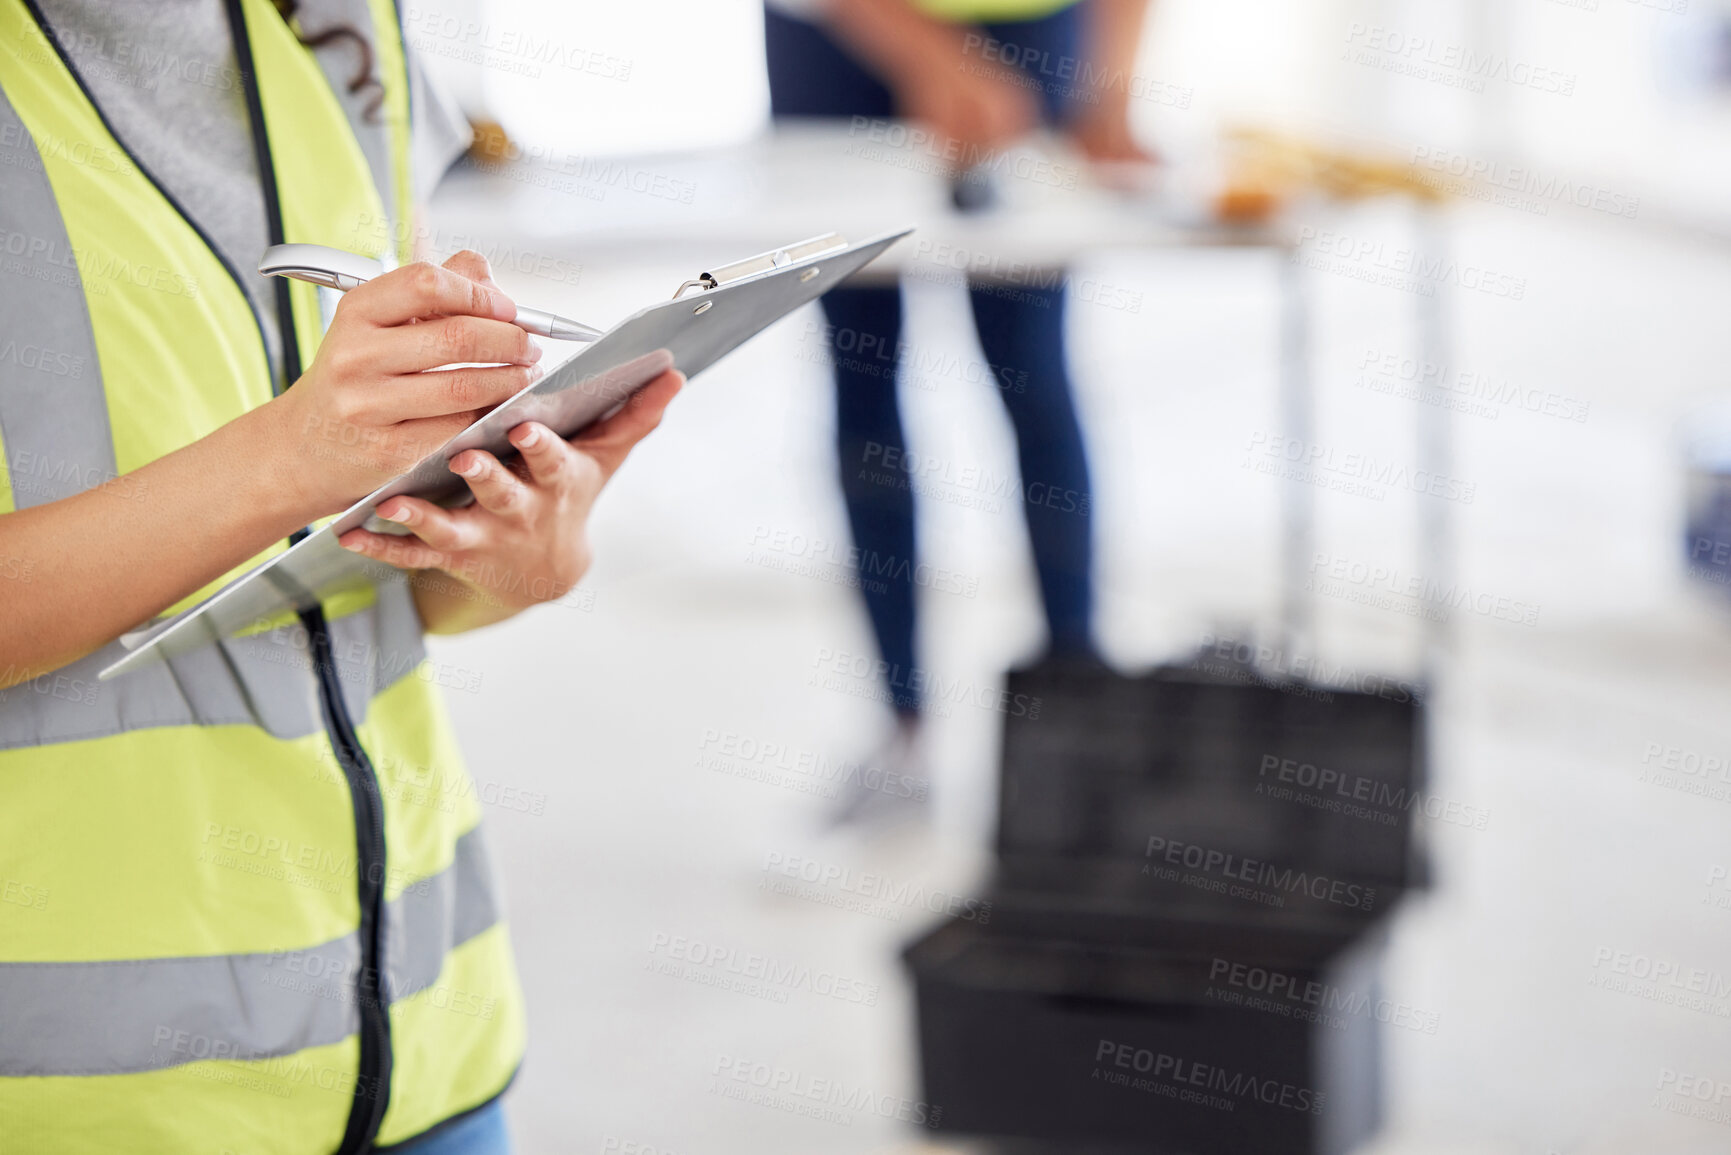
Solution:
(525, 538)
(1103, 132)
(366, 409)
(969, 99)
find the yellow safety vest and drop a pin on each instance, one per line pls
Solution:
(986, 11)
(244, 903)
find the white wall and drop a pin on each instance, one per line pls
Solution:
(617, 78)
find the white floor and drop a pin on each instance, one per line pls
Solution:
(608, 712)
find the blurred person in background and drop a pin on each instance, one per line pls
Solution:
(982, 73)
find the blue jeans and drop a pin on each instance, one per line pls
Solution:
(1021, 332)
(482, 1133)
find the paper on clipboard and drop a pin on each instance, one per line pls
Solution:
(689, 333)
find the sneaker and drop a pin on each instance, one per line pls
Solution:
(889, 787)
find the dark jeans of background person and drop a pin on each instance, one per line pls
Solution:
(1021, 332)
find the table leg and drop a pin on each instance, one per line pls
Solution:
(1435, 436)
(1297, 418)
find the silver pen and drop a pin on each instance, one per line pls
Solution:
(342, 270)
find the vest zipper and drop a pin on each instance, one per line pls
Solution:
(373, 1082)
(372, 998)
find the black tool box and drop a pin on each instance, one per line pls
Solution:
(1181, 947)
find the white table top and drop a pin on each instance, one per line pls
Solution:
(807, 179)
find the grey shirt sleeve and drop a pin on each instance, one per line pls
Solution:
(439, 133)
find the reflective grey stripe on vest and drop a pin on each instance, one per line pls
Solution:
(427, 916)
(53, 413)
(264, 680)
(114, 1018)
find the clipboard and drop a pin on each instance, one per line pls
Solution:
(708, 317)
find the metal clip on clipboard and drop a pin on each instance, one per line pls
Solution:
(766, 263)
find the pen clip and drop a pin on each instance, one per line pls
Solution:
(320, 264)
